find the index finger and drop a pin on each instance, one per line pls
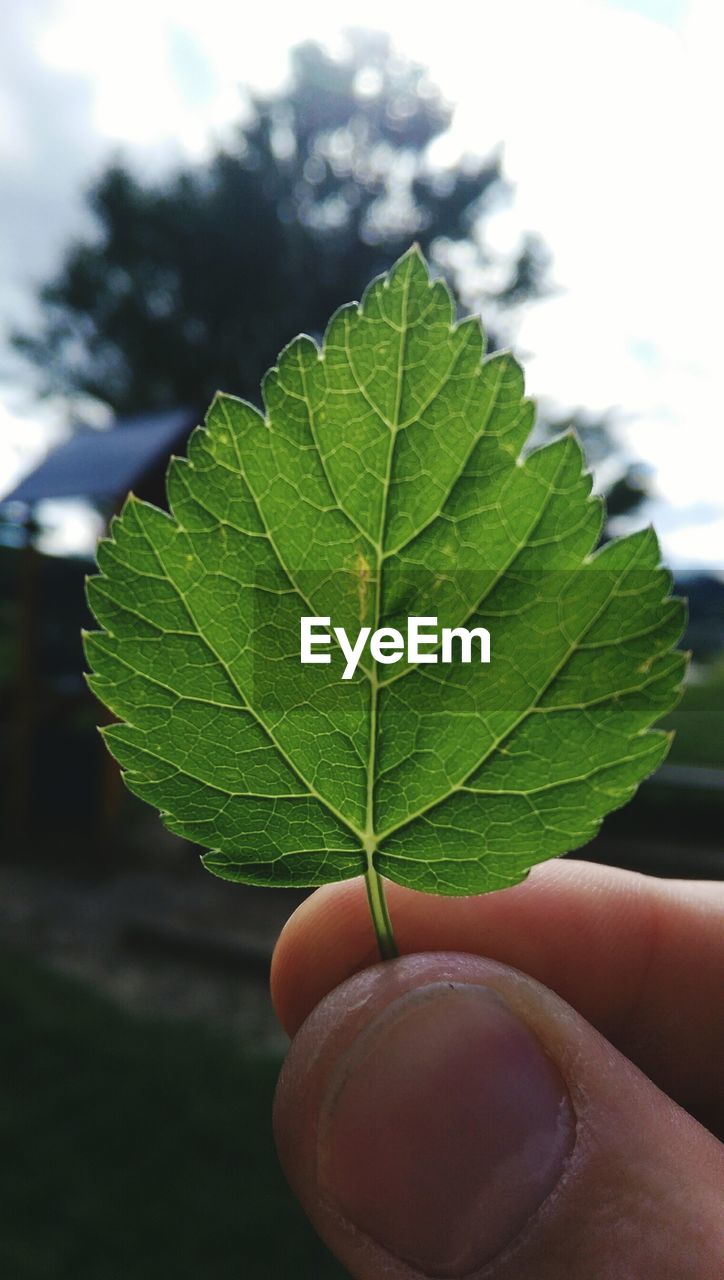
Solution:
(639, 958)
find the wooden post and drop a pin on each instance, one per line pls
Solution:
(27, 693)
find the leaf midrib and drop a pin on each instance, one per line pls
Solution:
(370, 837)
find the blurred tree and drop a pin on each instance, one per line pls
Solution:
(196, 282)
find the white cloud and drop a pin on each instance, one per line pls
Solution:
(25, 435)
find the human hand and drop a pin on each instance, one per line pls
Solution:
(524, 1116)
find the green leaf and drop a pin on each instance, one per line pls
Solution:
(385, 479)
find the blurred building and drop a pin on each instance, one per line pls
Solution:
(54, 767)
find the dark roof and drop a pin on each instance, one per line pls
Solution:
(105, 464)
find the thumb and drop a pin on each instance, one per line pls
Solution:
(443, 1115)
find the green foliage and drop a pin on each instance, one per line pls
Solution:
(385, 480)
(134, 1150)
(698, 719)
(628, 486)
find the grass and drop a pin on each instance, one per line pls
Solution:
(136, 1150)
(698, 720)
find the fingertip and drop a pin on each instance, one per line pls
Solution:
(441, 1110)
(327, 939)
(614, 944)
(330, 936)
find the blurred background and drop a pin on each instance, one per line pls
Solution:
(183, 188)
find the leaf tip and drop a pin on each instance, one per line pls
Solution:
(416, 263)
(218, 399)
(129, 502)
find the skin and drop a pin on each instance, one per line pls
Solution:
(618, 980)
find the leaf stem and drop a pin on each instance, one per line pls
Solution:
(380, 914)
(375, 884)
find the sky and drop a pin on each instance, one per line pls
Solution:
(608, 116)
